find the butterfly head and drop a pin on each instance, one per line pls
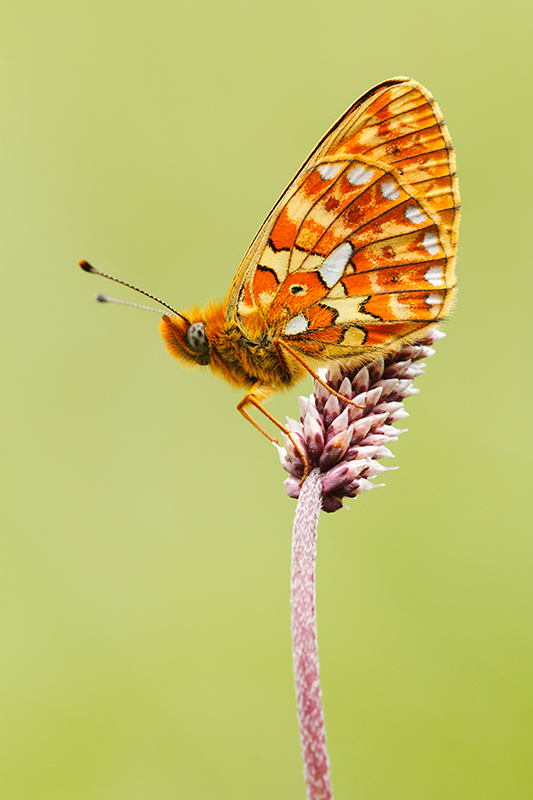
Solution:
(189, 337)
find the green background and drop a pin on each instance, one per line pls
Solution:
(146, 532)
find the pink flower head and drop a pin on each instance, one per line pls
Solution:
(344, 442)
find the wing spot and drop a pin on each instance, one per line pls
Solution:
(359, 175)
(331, 204)
(414, 215)
(430, 244)
(435, 276)
(389, 251)
(433, 299)
(389, 190)
(355, 214)
(297, 288)
(329, 171)
(298, 324)
(333, 266)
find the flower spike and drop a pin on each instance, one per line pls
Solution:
(344, 442)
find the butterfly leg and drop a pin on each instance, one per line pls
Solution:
(279, 343)
(249, 398)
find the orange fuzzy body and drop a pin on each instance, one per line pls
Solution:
(240, 361)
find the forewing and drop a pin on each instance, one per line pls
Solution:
(360, 248)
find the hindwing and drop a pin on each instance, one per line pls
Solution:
(360, 248)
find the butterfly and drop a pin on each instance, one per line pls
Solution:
(356, 257)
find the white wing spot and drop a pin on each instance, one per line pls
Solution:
(433, 299)
(435, 276)
(333, 266)
(265, 298)
(430, 244)
(359, 175)
(390, 191)
(298, 324)
(329, 171)
(414, 215)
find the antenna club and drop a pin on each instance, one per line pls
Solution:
(88, 268)
(102, 298)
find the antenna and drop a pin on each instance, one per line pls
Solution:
(104, 299)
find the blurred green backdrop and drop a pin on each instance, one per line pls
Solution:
(146, 533)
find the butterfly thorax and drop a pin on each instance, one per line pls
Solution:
(205, 337)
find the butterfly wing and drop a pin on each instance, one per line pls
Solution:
(360, 248)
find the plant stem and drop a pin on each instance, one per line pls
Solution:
(304, 641)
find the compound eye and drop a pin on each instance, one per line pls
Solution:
(197, 338)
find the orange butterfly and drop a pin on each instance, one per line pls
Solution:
(356, 256)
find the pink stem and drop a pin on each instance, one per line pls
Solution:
(304, 641)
